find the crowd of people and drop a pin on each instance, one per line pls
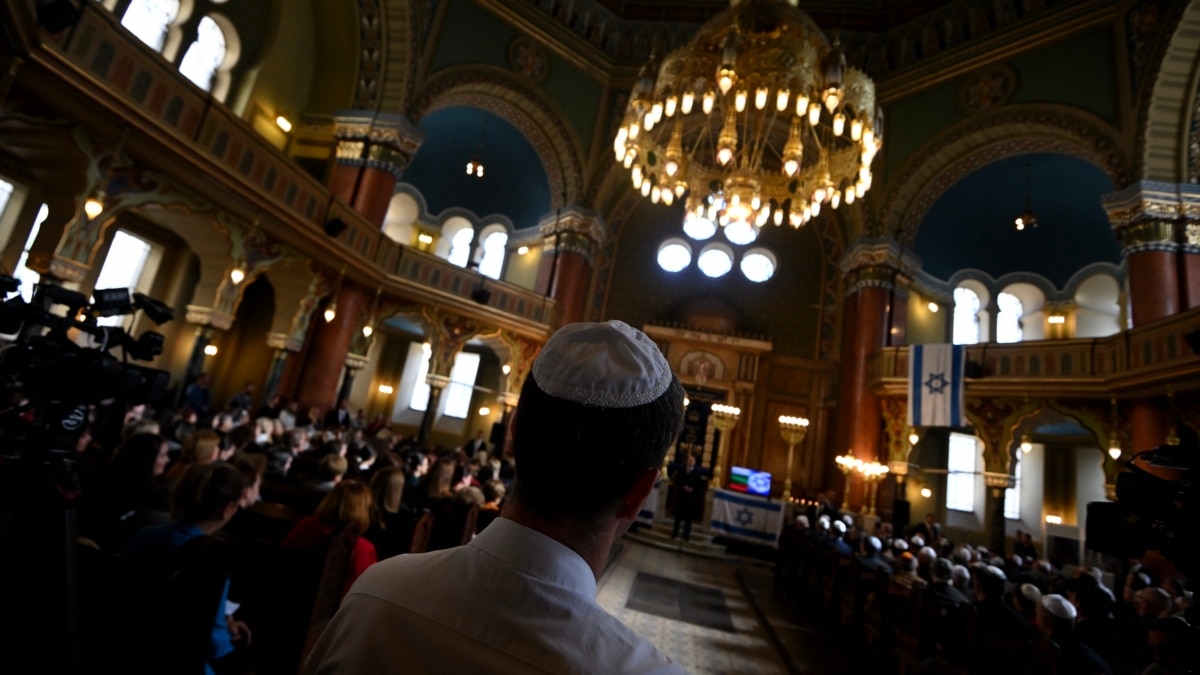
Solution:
(968, 608)
(155, 482)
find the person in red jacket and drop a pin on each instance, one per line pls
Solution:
(348, 505)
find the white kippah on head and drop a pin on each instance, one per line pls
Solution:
(1058, 606)
(995, 572)
(918, 541)
(848, 519)
(1031, 592)
(900, 545)
(839, 527)
(604, 365)
(802, 520)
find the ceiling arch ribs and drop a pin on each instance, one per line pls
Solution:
(1163, 140)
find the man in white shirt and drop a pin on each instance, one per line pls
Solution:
(595, 418)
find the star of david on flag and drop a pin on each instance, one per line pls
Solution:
(935, 385)
(740, 516)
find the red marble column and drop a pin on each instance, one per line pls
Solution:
(372, 150)
(565, 273)
(1153, 285)
(1147, 424)
(325, 357)
(1189, 279)
(859, 418)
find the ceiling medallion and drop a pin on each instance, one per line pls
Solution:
(758, 119)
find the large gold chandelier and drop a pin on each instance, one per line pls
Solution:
(757, 120)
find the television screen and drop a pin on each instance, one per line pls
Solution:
(750, 481)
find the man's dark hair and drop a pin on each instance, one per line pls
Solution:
(576, 461)
(204, 491)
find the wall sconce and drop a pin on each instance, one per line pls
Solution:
(1026, 444)
(485, 411)
(913, 437)
(506, 369)
(926, 493)
(238, 274)
(424, 239)
(523, 250)
(368, 331)
(1056, 319)
(331, 310)
(1054, 520)
(210, 350)
(283, 123)
(1114, 447)
(386, 389)
(933, 307)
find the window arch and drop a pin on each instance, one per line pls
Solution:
(460, 247)
(494, 247)
(149, 20)
(206, 55)
(966, 316)
(1098, 300)
(1008, 323)
(402, 214)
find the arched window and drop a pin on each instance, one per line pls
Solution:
(122, 268)
(149, 20)
(420, 393)
(492, 262)
(1012, 495)
(966, 316)
(28, 277)
(205, 55)
(1008, 324)
(460, 247)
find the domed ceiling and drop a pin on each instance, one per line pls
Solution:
(971, 225)
(514, 183)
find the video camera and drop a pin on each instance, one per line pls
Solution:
(58, 377)
(1156, 509)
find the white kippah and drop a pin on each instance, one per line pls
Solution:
(839, 527)
(1058, 606)
(995, 572)
(802, 520)
(1032, 593)
(918, 541)
(605, 365)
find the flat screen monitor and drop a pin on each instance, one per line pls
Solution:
(750, 481)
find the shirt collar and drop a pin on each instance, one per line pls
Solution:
(537, 555)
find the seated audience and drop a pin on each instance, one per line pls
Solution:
(392, 521)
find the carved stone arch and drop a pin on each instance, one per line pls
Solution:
(932, 169)
(390, 37)
(529, 110)
(1164, 152)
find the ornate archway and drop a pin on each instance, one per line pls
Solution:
(1164, 151)
(934, 168)
(527, 109)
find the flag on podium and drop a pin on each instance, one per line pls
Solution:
(739, 516)
(935, 385)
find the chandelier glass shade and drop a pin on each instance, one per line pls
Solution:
(757, 120)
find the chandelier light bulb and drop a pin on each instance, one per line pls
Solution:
(859, 190)
(778, 217)
(669, 108)
(629, 157)
(237, 275)
(655, 194)
(818, 195)
(816, 209)
(656, 112)
(94, 206)
(1026, 444)
(724, 155)
(832, 99)
(680, 188)
(725, 79)
(801, 105)
(850, 195)
(646, 188)
(795, 220)
(790, 167)
(368, 331)
(707, 104)
(856, 130)
(868, 137)
(763, 216)
(1114, 448)
(839, 124)
(760, 98)
(686, 103)
(331, 313)
(836, 199)
(739, 100)
(913, 438)
(637, 181)
(649, 121)
(667, 196)
(781, 100)
(1020, 222)
(671, 167)
(814, 114)
(634, 130)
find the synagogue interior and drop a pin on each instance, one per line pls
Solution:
(363, 219)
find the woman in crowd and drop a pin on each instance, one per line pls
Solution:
(348, 505)
(202, 447)
(392, 521)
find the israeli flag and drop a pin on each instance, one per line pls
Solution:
(739, 516)
(935, 385)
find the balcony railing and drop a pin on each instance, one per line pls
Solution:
(1147, 358)
(109, 63)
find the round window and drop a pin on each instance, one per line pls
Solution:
(674, 255)
(741, 232)
(758, 265)
(715, 260)
(699, 228)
